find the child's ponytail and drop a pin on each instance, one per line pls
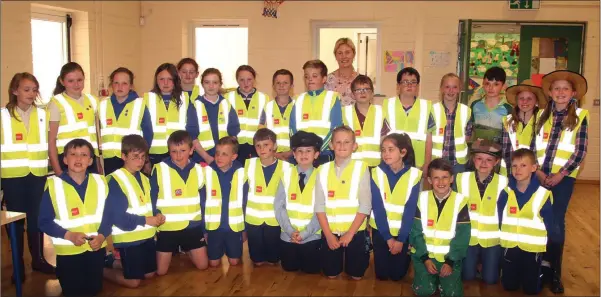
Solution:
(59, 88)
(570, 122)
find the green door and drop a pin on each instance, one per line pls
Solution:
(547, 48)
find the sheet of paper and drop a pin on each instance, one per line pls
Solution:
(546, 65)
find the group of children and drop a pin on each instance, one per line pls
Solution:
(301, 182)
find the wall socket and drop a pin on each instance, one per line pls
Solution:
(596, 102)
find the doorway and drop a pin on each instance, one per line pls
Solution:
(366, 38)
(523, 50)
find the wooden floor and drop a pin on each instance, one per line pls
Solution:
(581, 271)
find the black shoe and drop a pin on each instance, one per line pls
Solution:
(556, 286)
(547, 275)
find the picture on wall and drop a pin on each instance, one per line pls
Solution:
(494, 49)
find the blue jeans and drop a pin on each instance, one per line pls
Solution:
(562, 193)
(490, 259)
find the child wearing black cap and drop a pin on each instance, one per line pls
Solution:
(294, 204)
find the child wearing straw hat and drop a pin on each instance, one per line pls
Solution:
(519, 127)
(561, 145)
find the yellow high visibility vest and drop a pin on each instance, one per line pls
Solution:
(394, 197)
(439, 231)
(178, 200)
(205, 137)
(249, 118)
(112, 129)
(415, 124)
(315, 115)
(341, 194)
(523, 136)
(462, 116)
(524, 227)
(75, 215)
(279, 123)
(165, 122)
(300, 205)
(368, 137)
(215, 199)
(192, 97)
(566, 145)
(23, 151)
(484, 214)
(261, 196)
(77, 121)
(138, 203)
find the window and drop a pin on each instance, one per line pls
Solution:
(221, 45)
(49, 50)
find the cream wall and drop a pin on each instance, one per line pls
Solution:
(106, 35)
(286, 42)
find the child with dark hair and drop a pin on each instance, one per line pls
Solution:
(72, 214)
(169, 110)
(134, 221)
(440, 235)
(395, 186)
(488, 109)
(406, 113)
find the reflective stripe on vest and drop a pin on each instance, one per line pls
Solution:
(521, 138)
(300, 205)
(165, 121)
(279, 123)
(78, 121)
(248, 117)
(341, 194)
(112, 129)
(524, 227)
(368, 136)
(259, 208)
(315, 117)
(394, 199)
(214, 200)
(565, 147)
(24, 151)
(205, 137)
(461, 120)
(75, 215)
(439, 230)
(483, 211)
(138, 203)
(178, 200)
(414, 124)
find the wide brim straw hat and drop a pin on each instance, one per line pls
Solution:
(578, 82)
(512, 93)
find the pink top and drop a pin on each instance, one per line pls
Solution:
(342, 86)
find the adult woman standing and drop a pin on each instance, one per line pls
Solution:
(340, 80)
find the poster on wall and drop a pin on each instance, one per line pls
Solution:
(394, 61)
(494, 49)
(439, 59)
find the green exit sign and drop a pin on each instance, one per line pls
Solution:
(524, 4)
